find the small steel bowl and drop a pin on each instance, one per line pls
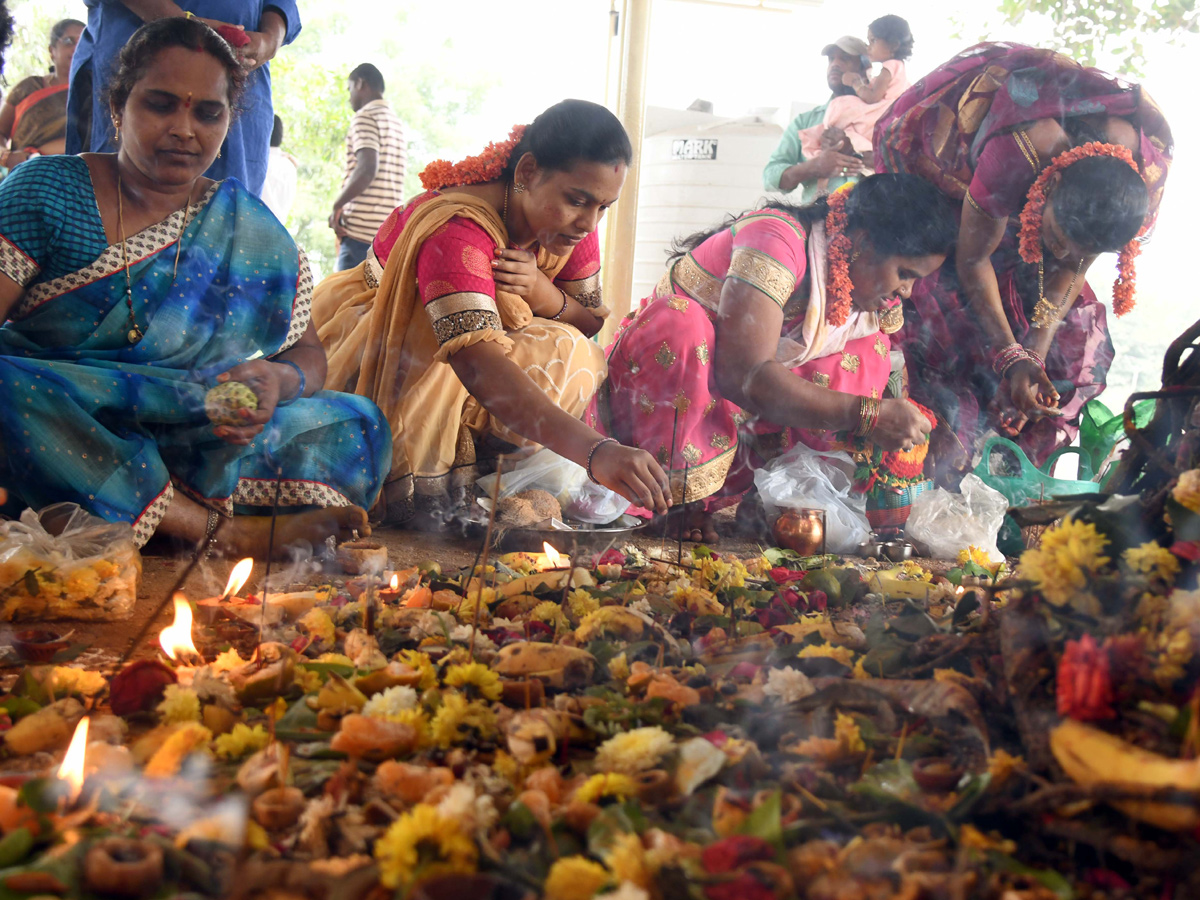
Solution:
(897, 551)
(38, 644)
(871, 549)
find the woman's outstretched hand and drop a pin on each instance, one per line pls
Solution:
(265, 379)
(1025, 393)
(901, 426)
(634, 474)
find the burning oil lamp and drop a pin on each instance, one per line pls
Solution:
(176, 639)
(71, 772)
(211, 607)
(392, 592)
(550, 559)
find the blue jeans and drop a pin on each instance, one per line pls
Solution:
(352, 253)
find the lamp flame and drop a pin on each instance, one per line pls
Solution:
(394, 584)
(238, 577)
(176, 639)
(71, 770)
(552, 556)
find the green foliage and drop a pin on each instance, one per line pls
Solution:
(1083, 28)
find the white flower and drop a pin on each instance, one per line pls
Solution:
(507, 623)
(788, 685)
(641, 606)
(627, 891)
(472, 811)
(461, 634)
(429, 624)
(634, 751)
(390, 703)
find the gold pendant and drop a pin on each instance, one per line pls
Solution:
(135, 335)
(1043, 310)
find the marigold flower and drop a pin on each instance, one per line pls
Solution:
(838, 286)
(487, 166)
(241, 741)
(420, 844)
(614, 785)
(179, 704)
(1068, 555)
(415, 659)
(474, 679)
(1084, 682)
(844, 655)
(1154, 562)
(1187, 490)
(457, 717)
(634, 751)
(574, 878)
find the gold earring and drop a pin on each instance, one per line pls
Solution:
(518, 188)
(116, 129)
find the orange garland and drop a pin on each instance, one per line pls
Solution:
(838, 285)
(487, 166)
(1030, 236)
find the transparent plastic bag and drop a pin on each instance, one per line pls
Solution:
(65, 563)
(946, 523)
(804, 479)
(581, 499)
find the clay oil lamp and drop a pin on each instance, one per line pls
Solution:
(936, 774)
(801, 530)
(71, 772)
(212, 607)
(392, 592)
(176, 642)
(551, 570)
(39, 644)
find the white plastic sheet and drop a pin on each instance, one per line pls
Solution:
(581, 499)
(804, 478)
(947, 523)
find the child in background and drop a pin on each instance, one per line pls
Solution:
(890, 42)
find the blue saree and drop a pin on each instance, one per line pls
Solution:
(118, 427)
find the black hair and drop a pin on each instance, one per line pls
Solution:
(570, 131)
(277, 131)
(6, 31)
(60, 28)
(901, 215)
(368, 75)
(1100, 203)
(896, 32)
(174, 31)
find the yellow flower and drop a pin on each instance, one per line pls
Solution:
(1154, 562)
(580, 603)
(179, 704)
(717, 573)
(758, 566)
(618, 667)
(465, 611)
(848, 735)
(1002, 764)
(549, 612)
(1173, 651)
(695, 599)
(505, 766)
(420, 844)
(600, 787)
(83, 583)
(626, 859)
(228, 661)
(475, 679)
(970, 836)
(844, 655)
(917, 572)
(1187, 490)
(309, 680)
(242, 740)
(574, 878)
(337, 659)
(318, 625)
(69, 680)
(973, 554)
(634, 751)
(415, 659)
(860, 671)
(456, 716)
(184, 740)
(1069, 554)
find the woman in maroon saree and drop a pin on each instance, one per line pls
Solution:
(999, 129)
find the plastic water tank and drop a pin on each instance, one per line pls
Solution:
(696, 169)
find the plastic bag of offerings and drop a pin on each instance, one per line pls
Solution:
(804, 479)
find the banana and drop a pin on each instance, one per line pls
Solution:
(1090, 757)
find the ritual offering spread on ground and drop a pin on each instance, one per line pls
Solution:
(642, 724)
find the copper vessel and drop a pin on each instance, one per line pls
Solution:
(801, 531)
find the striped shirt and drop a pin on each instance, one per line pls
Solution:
(375, 127)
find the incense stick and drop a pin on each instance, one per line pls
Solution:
(487, 540)
(683, 514)
(262, 628)
(670, 459)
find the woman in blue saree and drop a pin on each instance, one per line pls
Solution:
(131, 285)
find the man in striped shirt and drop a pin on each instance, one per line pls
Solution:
(375, 160)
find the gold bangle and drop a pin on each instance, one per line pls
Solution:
(188, 14)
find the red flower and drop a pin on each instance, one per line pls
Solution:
(716, 738)
(745, 670)
(1189, 551)
(235, 37)
(817, 600)
(139, 686)
(1084, 683)
(734, 852)
(611, 558)
(839, 286)
(782, 574)
(487, 166)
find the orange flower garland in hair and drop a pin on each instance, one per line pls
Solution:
(487, 166)
(838, 285)
(1030, 236)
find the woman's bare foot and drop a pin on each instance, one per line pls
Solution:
(251, 535)
(697, 524)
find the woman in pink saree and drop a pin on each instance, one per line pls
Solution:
(771, 330)
(1051, 164)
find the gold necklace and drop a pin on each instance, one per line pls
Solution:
(1044, 312)
(504, 214)
(135, 332)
